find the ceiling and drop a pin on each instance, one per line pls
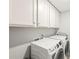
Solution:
(61, 5)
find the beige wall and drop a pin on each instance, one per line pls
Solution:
(19, 36)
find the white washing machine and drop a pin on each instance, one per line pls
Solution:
(47, 49)
(65, 41)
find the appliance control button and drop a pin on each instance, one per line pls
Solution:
(60, 43)
(57, 45)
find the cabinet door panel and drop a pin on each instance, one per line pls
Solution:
(43, 13)
(52, 16)
(21, 12)
(57, 18)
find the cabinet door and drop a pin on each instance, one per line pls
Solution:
(43, 13)
(57, 18)
(52, 16)
(21, 12)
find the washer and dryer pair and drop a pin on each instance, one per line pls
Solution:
(66, 43)
(47, 48)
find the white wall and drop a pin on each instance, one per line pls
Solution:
(65, 22)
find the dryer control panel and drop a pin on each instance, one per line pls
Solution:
(55, 47)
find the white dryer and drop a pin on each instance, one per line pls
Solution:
(65, 41)
(47, 49)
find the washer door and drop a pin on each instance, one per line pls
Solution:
(60, 54)
(67, 49)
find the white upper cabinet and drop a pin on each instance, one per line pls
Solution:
(48, 15)
(54, 17)
(39, 13)
(21, 12)
(43, 13)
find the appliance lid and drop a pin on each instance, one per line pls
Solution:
(46, 43)
(58, 37)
